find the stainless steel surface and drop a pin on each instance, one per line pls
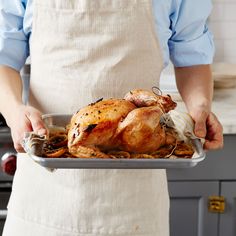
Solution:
(77, 163)
(97, 163)
(3, 214)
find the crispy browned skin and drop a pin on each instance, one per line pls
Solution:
(141, 131)
(131, 124)
(145, 98)
(95, 125)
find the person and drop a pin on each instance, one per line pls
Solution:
(81, 51)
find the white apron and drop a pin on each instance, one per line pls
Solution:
(82, 50)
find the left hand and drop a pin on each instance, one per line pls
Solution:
(207, 126)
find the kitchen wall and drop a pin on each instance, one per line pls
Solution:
(222, 23)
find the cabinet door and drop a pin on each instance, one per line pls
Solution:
(189, 209)
(4, 197)
(228, 219)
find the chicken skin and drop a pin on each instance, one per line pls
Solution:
(131, 124)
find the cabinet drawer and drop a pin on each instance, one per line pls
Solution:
(1, 226)
(4, 198)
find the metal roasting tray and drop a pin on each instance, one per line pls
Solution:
(61, 120)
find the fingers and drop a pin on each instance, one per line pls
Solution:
(207, 126)
(17, 132)
(212, 145)
(37, 123)
(25, 119)
(200, 124)
(214, 138)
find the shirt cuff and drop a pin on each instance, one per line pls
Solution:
(195, 52)
(13, 53)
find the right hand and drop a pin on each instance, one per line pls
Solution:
(24, 119)
(207, 126)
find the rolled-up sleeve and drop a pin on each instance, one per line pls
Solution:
(14, 47)
(191, 42)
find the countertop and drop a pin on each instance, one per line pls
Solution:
(224, 106)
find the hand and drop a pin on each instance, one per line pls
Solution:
(24, 119)
(208, 126)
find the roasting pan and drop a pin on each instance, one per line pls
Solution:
(61, 120)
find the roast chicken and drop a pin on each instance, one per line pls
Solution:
(132, 124)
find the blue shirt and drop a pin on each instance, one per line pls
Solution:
(180, 26)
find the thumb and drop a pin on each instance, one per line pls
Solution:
(37, 123)
(200, 124)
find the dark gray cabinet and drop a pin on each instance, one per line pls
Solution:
(189, 208)
(227, 221)
(190, 190)
(5, 191)
(6, 145)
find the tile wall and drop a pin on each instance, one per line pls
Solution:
(222, 23)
